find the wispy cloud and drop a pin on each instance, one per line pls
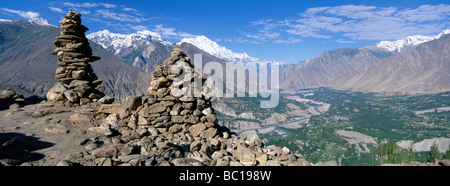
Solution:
(349, 23)
(55, 9)
(82, 5)
(24, 14)
(119, 18)
(170, 33)
(128, 9)
(138, 27)
(105, 13)
(109, 5)
(288, 41)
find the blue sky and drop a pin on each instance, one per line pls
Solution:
(280, 30)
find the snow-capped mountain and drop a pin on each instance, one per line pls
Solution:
(211, 47)
(408, 42)
(40, 21)
(5, 20)
(122, 44)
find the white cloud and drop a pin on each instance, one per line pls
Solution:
(108, 5)
(427, 13)
(170, 33)
(138, 27)
(55, 9)
(82, 5)
(288, 41)
(105, 13)
(24, 14)
(165, 32)
(129, 9)
(350, 23)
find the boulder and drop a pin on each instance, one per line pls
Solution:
(7, 94)
(53, 96)
(71, 96)
(132, 102)
(197, 129)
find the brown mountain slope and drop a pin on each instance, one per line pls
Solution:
(26, 61)
(423, 69)
(320, 70)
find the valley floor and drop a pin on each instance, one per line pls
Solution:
(352, 128)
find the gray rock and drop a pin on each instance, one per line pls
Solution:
(7, 94)
(153, 131)
(59, 88)
(273, 163)
(84, 101)
(175, 128)
(195, 146)
(91, 146)
(130, 149)
(78, 74)
(156, 108)
(80, 118)
(209, 133)
(197, 129)
(57, 129)
(255, 140)
(177, 119)
(78, 83)
(211, 118)
(95, 96)
(71, 96)
(102, 130)
(132, 102)
(65, 163)
(106, 100)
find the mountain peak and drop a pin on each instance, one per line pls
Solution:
(204, 43)
(5, 20)
(40, 21)
(117, 43)
(408, 42)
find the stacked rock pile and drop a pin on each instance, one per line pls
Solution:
(77, 82)
(164, 128)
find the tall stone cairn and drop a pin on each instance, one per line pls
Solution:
(77, 82)
(165, 127)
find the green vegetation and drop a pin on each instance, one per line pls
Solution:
(252, 104)
(386, 118)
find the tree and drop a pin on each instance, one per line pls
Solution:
(447, 154)
(434, 152)
(412, 156)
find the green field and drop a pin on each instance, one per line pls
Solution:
(385, 118)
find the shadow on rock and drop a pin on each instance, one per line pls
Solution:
(6, 103)
(17, 148)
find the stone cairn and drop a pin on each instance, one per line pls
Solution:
(77, 82)
(163, 128)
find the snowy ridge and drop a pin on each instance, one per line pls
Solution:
(40, 21)
(118, 43)
(5, 20)
(408, 42)
(211, 47)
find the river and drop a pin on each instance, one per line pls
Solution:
(292, 124)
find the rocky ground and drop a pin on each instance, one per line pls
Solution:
(49, 134)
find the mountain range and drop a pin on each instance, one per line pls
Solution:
(408, 42)
(422, 69)
(349, 68)
(416, 64)
(144, 49)
(25, 61)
